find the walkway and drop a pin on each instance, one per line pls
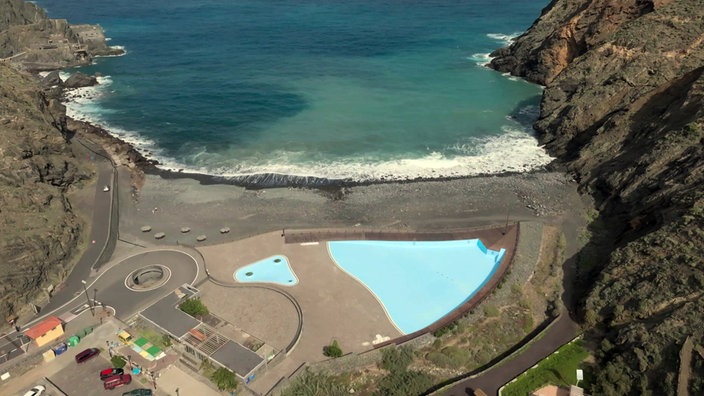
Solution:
(562, 332)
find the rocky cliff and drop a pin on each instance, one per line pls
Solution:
(623, 109)
(38, 165)
(29, 40)
(37, 168)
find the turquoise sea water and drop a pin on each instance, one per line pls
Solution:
(418, 283)
(361, 90)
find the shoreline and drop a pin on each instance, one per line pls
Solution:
(125, 153)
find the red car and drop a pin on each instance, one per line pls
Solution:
(87, 354)
(109, 372)
(117, 380)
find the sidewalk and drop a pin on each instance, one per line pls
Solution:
(173, 378)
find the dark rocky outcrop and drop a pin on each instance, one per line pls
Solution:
(52, 79)
(80, 80)
(623, 109)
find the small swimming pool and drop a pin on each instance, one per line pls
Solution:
(274, 269)
(418, 283)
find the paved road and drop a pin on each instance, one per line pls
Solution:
(110, 289)
(491, 380)
(100, 233)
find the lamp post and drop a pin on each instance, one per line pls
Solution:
(92, 312)
(129, 360)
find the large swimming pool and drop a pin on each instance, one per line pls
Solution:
(418, 283)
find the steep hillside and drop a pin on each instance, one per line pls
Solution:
(37, 167)
(623, 109)
(29, 40)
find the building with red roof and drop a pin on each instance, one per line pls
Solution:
(46, 331)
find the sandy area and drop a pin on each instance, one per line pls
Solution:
(167, 205)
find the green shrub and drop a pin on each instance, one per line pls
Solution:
(224, 379)
(396, 359)
(404, 383)
(448, 328)
(333, 350)
(118, 361)
(311, 384)
(491, 310)
(194, 307)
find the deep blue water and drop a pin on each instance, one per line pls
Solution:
(364, 89)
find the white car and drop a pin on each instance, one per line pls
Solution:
(36, 391)
(106, 188)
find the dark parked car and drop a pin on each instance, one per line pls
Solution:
(138, 392)
(87, 354)
(117, 380)
(109, 372)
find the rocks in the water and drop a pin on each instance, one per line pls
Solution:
(80, 80)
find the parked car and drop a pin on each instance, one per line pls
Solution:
(138, 392)
(37, 390)
(109, 372)
(87, 354)
(117, 380)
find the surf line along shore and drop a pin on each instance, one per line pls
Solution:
(202, 201)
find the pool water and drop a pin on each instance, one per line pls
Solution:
(274, 269)
(418, 283)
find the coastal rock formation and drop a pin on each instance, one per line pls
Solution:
(623, 109)
(80, 80)
(37, 169)
(29, 40)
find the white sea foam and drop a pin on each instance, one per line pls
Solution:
(514, 150)
(83, 104)
(481, 59)
(115, 47)
(506, 39)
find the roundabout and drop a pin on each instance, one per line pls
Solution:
(133, 282)
(148, 278)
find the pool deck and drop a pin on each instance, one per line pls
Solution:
(333, 304)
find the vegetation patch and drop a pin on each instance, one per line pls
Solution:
(560, 369)
(194, 307)
(333, 350)
(118, 361)
(224, 379)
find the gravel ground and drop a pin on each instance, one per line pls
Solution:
(167, 205)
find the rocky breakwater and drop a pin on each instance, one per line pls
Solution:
(29, 40)
(623, 109)
(38, 168)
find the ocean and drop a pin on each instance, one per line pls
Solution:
(356, 90)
